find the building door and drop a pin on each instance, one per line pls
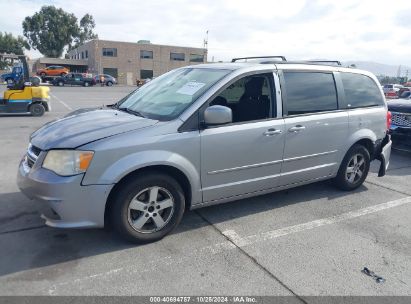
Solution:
(129, 78)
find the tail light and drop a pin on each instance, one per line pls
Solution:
(389, 121)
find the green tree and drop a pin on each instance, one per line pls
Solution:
(87, 25)
(11, 45)
(52, 29)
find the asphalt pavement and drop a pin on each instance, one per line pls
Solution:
(310, 240)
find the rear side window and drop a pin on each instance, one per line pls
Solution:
(361, 91)
(309, 92)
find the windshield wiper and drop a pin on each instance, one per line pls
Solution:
(127, 110)
(113, 106)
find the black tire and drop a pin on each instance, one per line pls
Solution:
(60, 83)
(37, 110)
(347, 180)
(121, 217)
(109, 83)
(86, 84)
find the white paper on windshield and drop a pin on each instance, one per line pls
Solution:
(190, 88)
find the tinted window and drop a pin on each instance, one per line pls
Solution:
(361, 91)
(196, 58)
(177, 56)
(145, 74)
(249, 98)
(110, 71)
(309, 92)
(146, 54)
(110, 52)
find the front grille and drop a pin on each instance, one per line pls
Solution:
(401, 119)
(32, 155)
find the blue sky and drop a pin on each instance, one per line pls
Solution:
(344, 30)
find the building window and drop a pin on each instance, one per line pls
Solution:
(86, 54)
(82, 55)
(111, 71)
(146, 54)
(196, 58)
(145, 74)
(110, 52)
(177, 56)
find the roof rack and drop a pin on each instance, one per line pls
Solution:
(337, 62)
(259, 57)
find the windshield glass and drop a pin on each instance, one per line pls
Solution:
(166, 97)
(405, 94)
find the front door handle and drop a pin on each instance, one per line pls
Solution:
(296, 128)
(271, 132)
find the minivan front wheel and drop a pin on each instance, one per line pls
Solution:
(147, 208)
(354, 168)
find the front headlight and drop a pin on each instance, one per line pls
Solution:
(68, 162)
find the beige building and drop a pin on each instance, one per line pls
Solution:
(129, 62)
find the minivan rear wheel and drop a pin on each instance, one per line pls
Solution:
(354, 168)
(147, 208)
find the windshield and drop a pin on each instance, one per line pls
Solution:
(405, 94)
(166, 97)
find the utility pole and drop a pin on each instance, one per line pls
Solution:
(206, 45)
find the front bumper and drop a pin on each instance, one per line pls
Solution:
(401, 138)
(72, 205)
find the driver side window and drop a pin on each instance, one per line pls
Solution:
(249, 98)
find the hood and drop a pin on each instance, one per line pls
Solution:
(82, 127)
(400, 105)
(6, 75)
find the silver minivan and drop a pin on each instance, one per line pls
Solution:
(203, 135)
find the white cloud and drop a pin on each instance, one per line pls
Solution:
(299, 29)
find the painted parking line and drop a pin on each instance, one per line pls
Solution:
(234, 241)
(62, 102)
(244, 241)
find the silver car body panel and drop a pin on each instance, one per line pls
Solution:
(221, 163)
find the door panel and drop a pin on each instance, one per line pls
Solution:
(312, 149)
(239, 159)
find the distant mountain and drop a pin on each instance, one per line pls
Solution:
(380, 68)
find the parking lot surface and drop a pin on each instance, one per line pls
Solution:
(311, 240)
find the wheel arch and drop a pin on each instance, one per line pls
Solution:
(169, 170)
(364, 137)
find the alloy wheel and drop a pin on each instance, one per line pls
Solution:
(355, 168)
(150, 210)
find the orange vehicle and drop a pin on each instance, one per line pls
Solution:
(53, 70)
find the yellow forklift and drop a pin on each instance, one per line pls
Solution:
(24, 95)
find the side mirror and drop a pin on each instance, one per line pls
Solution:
(217, 115)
